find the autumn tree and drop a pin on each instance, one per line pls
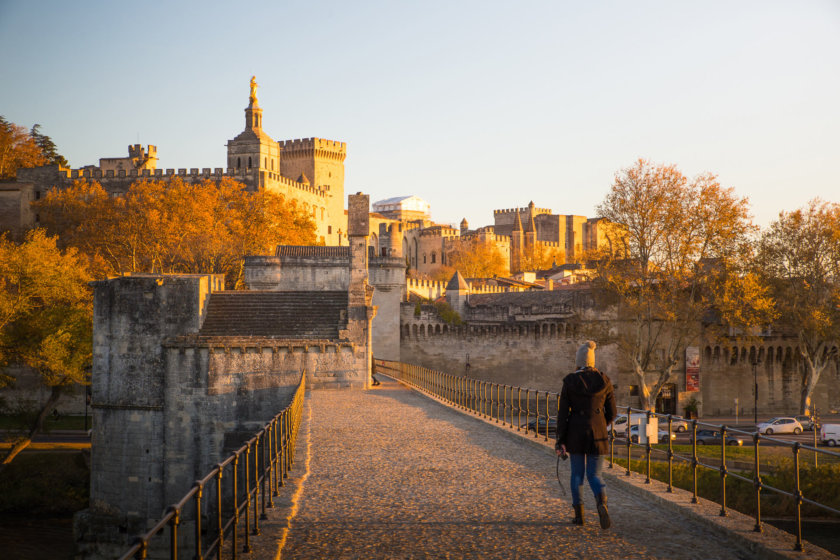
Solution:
(683, 240)
(542, 257)
(174, 226)
(45, 319)
(48, 148)
(475, 258)
(17, 149)
(799, 257)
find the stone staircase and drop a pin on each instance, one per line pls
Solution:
(306, 315)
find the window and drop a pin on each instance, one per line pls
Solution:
(238, 163)
(272, 164)
(37, 195)
(424, 258)
(329, 229)
(249, 162)
(433, 258)
(265, 162)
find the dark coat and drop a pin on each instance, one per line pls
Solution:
(587, 406)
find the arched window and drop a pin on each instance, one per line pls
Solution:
(238, 163)
(433, 257)
(424, 258)
(249, 162)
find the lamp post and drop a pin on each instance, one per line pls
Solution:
(755, 361)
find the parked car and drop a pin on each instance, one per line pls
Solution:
(780, 425)
(634, 434)
(552, 426)
(678, 426)
(830, 434)
(806, 421)
(712, 437)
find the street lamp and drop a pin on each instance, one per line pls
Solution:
(755, 361)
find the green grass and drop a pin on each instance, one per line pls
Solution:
(818, 484)
(63, 422)
(45, 484)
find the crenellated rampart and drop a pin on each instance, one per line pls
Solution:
(318, 147)
(521, 211)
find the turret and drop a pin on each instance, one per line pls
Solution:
(465, 226)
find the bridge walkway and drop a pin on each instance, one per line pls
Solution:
(391, 473)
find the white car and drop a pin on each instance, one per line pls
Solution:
(662, 434)
(780, 425)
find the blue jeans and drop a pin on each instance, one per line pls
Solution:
(589, 465)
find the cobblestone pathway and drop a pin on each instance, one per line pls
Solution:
(393, 474)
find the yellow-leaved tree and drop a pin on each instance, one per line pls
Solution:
(684, 274)
(799, 257)
(474, 258)
(45, 319)
(174, 226)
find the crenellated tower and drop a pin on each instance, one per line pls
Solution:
(516, 245)
(322, 163)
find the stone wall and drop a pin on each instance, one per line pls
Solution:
(537, 356)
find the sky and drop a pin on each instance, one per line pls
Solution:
(472, 106)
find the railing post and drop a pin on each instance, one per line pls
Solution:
(723, 512)
(628, 442)
(757, 483)
(263, 470)
(547, 415)
(797, 494)
(518, 408)
(694, 461)
(173, 533)
(275, 463)
(670, 457)
(234, 467)
(247, 546)
(269, 464)
(647, 445)
(198, 555)
(527, 409)
(221, 527)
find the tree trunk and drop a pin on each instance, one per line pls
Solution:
(812, 377)
(34, 429)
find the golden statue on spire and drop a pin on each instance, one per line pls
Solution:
(253, 97)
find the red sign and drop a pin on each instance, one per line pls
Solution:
(692, 368)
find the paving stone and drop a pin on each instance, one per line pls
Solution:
(393, 474)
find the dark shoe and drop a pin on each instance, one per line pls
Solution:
(578, 520)
(603, 514)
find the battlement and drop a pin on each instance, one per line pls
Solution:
(188, 174)
(137, 151)
(439, 231)
(522, 211)
(309, 144)
(433, 289)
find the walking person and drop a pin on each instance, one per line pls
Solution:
(586, 409)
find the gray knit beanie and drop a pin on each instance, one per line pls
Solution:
(585, 355)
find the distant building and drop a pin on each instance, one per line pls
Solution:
(309, 171)
(403, 208)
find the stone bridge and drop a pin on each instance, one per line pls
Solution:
(393, 473)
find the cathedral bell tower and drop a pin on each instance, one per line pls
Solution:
(253, 154)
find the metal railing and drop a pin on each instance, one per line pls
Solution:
(264, 466)
(504, 404)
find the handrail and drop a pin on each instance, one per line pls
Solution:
(279, 436)
(470, 394)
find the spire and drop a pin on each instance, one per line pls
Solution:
(517, 223)
(253, 114)
(303, 179)
(531, 227)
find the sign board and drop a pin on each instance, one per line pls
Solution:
(692, 369)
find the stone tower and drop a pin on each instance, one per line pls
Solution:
(530, 241)
(516, 245)
(465, 226)
(253, 149)
(322, 163)
(458, 293)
